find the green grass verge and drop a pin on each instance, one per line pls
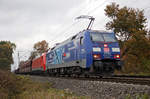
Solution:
(21, 87)
(143, 96)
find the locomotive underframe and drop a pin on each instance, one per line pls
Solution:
(102, 67)
(105, 66)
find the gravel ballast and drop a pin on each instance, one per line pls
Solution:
(96, 89)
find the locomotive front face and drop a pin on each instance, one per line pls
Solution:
(105, 51)
(105, 46)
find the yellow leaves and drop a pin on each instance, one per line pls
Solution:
(112, 10)
(6, 51)
(41, 46)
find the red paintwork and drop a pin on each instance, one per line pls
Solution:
(106, 49)
(39, 62)
(44, 61)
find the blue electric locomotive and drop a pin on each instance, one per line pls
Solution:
(88, 52)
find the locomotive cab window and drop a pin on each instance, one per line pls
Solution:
(103, 37)
(97, 37)
(109, 37)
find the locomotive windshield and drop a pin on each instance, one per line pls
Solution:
(103, 37)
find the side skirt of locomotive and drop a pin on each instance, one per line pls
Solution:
(104, 67)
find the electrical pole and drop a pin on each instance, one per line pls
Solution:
(18, 59)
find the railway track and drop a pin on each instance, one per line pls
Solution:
(137, 80)
(128, 80)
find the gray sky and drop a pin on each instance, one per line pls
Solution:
(26, 22)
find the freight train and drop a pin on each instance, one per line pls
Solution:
(90, 52)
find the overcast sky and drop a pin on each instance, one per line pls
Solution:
(26, 22)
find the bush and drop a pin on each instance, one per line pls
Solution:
(21, 87)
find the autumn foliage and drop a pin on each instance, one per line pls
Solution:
(129, 26)
(6, 51)
(39, 48)
(22, 87)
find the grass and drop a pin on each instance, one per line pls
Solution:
(21, 87)
(131, 73)
(144, 96)
(50, 94)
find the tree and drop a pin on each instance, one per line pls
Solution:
(33, 54)
(148, 35)
(129, 26)
(125, 21)
(6, 50)
(39, 48)
(137, 57)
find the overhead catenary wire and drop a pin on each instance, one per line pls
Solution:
(76, 14)
(64, 32)
(95, 9)
(22, 54)
(66, 29)
(99, 6)
(77, 22)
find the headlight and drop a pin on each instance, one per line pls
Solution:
(117, 56)
(115, 49)
(96, 49)
(96, 56)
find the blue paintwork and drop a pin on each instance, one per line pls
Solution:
(75, 51)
